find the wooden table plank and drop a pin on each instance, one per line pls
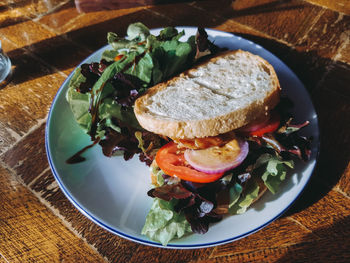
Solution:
(342, 6)
(67, 19)
(316, 251)
(344, 183)
(328, 217)
(29, 232)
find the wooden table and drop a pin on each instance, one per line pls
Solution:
(47, 39)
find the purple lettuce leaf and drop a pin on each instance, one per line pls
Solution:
(197, 209)
(204, 46)
(115, 141)
(91, 72)
(127, 88)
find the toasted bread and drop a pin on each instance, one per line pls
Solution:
(221, 94)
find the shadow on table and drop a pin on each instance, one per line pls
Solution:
(62, 54)
(83, 41)
(325, 244)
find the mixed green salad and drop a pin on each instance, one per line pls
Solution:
(101, 96)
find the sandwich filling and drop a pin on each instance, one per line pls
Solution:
(198, 181)
(205, 160)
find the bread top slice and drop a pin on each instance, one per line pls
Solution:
(219, 95)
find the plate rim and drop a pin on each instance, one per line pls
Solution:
(147, 241)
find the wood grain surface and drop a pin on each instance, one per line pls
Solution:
(47, 39)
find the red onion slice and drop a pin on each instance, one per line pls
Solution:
(218, 159)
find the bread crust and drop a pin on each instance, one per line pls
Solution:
(211, 126)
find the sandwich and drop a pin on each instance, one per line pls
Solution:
(200, 109)
(216, 137)
(230, 138)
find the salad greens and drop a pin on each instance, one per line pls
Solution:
(163, 223)
(240, 205)
(275, 172)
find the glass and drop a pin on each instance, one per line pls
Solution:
(5, 65)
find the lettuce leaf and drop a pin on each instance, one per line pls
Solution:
(138, 31)
(276, 170)
(235, 192)
(173, 56)
(249, 194)
(163, 223)
(79, 102)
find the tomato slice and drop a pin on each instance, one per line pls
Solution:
(173, 163)
(266, 126)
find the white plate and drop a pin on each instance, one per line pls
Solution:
(113, 192)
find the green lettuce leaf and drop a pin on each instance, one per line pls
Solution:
(276, 170)
(103, 91)
(158, 174)
(173, 56)
(79, 102)
(138, 31)
(117, 42)
(164, 224)
(235, 192)
(143, 68)
(250, 193)
(170, 33)
(109, 55)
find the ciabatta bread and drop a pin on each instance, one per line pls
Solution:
(217, 96)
